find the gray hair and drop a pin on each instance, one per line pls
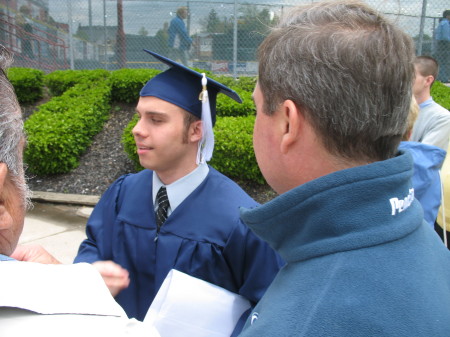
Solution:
(11, 129)
(348, 69)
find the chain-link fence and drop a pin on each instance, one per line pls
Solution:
(110, 34)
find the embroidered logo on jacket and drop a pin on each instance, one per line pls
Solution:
(401, 205)
(254, 318)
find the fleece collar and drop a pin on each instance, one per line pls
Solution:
(349, 209)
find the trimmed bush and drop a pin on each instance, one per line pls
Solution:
(242, 83)
(61, 130)
(233, 150)
(28, 84)
(127, 83)
(129, 145)
(441, 94)
(228, 107)
(60, 81)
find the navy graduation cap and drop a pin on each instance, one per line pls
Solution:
(193, 92)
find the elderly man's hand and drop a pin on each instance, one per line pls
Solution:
(33, 253)
(115, 277)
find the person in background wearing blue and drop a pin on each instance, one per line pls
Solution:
(179, 40)
(432, 126)
(178, 213)
(428, 160)
(332, 99)
(442, 36)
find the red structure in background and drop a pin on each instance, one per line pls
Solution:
(32, 46)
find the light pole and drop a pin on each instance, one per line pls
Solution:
(120, 38)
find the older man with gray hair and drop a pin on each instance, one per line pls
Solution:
(332, 100)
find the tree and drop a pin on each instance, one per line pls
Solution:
(213, 24)
(142, 31)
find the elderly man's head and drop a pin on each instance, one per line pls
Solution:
(13, 189)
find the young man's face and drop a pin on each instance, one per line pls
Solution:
(421, 83)
(161, 140)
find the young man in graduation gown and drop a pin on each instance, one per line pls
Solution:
(198, 231)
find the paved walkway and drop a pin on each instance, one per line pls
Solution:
(57, 222)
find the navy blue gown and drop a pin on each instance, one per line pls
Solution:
(203, 237)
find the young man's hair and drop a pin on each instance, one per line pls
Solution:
(188, 119)
(350, 72)
(427, 66)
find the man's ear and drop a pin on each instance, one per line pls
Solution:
(291, 118)
(3, 175)
(195, 131)
(429, 80)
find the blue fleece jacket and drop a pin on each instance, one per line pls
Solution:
(426, 181)
(360, 260)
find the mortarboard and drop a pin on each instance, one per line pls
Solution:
(182, 86)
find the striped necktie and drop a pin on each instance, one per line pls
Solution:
(163, 205)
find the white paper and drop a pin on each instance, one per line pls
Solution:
(187, 306)
(56, 289)
(61, 300)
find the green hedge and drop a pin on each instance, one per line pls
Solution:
(127, 83)
(226, 106)
(62, 129)
(60, 81)
(242, 83)
(28, 84)
(441, 94)
(129, 145)
(233, 150)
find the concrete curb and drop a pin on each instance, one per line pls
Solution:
(63, 198)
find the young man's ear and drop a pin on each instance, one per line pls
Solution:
(430, 80)
(195, 131)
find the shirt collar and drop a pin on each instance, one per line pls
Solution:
(426, 103)
(181, 188)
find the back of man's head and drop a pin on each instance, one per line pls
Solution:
(11, 130)
(11, 125)
(427, 66)
(350, 72)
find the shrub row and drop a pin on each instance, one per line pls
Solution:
(60, 81)
(62, 129)
(127, 83)
(28, 84)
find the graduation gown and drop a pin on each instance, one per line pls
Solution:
(203, 237)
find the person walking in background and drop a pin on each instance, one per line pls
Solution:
(179, 40)
(360, 259)
(442, 36)
(433, 124)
